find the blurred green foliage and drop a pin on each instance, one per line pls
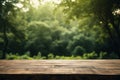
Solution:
(70, 30)
(92, 55)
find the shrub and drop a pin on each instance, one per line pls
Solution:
(43, 57)
(57, 57)
(113, 56)
(11, 56)
(50, 56)
(78, 51)
(103, 55)
(78, 57)
(25, 57)
(38, 56)
(91, 55)
(27, 53)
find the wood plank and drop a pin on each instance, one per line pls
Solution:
(88, 67)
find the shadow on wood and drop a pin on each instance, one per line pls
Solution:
(59, 77)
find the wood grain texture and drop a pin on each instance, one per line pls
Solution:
(80, 67)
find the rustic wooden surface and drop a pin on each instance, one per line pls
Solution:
(80, 67)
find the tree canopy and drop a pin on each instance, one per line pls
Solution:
(84, 28)
(105, 13)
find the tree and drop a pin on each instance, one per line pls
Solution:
(39, 38)
(105, 13)
(8, 11)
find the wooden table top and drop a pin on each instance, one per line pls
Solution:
(83, 67)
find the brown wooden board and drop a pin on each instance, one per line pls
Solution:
(60, 67)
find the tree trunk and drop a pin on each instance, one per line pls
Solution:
(115, 43)
(5, 41)
(118, 40)
(117, 30)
